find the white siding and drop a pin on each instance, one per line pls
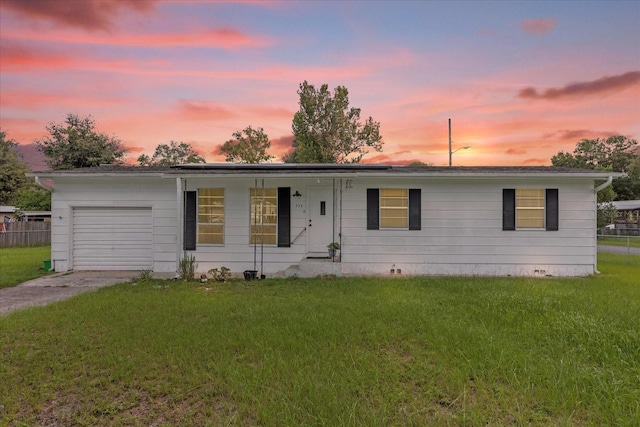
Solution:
(461, 230)
(237, 253)
(158, 195)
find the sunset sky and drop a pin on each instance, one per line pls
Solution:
(519, 80)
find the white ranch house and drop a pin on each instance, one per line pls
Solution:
(278, 219)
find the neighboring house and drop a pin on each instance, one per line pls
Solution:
(628, 214)
(278, 219)
(35, 216)
(7, 213)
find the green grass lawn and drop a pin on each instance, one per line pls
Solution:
(349, 351)
(18, 265)
(626, 241)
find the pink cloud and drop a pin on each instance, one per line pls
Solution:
(223, 38)
(282, 145)
(201, 110)
(32, 100)
(602, 85)
(87, 14)
(18, 58)
(538, 26)
(535, 161)
(579, 134)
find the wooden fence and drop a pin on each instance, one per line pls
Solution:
(25, 234)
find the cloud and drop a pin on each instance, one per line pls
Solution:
(87, 14)
(222, 38)
(202, 110)
(535, 161)
(27, 100)
(538, 26)
(14, 57)
(283, 144)
(578, 134)
(602, 85)
(515, 151)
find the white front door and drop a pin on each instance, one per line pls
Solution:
(319, 220)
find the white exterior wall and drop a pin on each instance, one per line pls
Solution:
(125, 191)
(462, 232)
(461, 221)
(237, 253)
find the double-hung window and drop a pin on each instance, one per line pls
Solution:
(393, 208)
(530, 208)
(264, 215)
(211, 215)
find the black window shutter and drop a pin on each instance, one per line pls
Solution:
(373, 209)
(508, 209)
(551, 209)
(190, 220)
(284, 217)
(415, 208)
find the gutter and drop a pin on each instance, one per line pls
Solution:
(41, 184)
(604, 185)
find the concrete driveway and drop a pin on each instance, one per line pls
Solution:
(57, 287)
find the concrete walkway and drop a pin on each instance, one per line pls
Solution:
(57, 287)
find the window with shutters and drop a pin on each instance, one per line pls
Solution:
(529, 208)
(394, 208)
(211, 215)
(264, 216)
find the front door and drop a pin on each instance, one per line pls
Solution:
(319, 220)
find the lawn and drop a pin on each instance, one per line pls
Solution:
(349, 351)
(18, 265)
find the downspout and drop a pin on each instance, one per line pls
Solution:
(604, 185)
(180, 224)
(41, 184)
(595, 191)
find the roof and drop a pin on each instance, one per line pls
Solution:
(361, 169)
(7, 209)
(627, 205)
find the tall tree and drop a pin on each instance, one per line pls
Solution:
(616, 153)
(12, 170)
(172, 154)
(247, 146)
(326, 130)
(33, 198)
(76, 144)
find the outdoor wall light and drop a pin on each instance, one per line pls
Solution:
(297, 194)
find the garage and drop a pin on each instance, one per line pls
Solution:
(112, 238)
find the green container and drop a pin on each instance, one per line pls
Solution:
(47, 265)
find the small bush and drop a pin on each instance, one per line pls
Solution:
(188, 267)
(145, 276)
(220, 275)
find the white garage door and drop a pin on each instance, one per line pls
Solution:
(112, 239)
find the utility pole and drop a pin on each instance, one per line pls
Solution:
(450, 153)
